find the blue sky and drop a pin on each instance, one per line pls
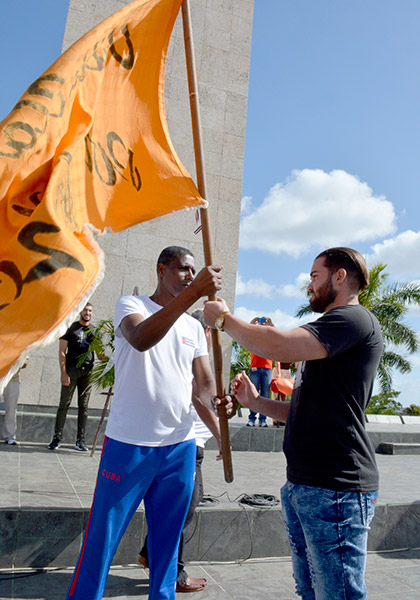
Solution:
(332, 147)
(32, 37)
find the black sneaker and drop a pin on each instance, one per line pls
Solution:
(80, 445)
(55, 443)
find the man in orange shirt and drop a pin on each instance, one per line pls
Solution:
(260, 371)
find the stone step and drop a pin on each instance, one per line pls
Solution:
(45, 506)
(36, 424)
(52, 537)
(383, 418)
(399, 448)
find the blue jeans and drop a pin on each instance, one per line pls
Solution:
(328, 533)
(261, 378)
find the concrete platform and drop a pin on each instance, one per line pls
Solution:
(242, 550)
(389, 576)
(45, 498)
(36, 424)
(400, 448)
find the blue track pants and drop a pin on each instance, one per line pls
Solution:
(164, 477)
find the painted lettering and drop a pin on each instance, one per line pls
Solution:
(11, 131)
(58, 259)
(21, 136)
(10, 269)
(113, 165)
(26, 212)
(128, 62)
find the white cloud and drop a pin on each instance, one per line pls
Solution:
(246, 205)
(414, 359)
(401, 254)
(256, 287)
(262, 289)
(413, 309)
(297, 289)
(316, 209)
(408, 385)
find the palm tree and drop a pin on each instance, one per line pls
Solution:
(102, 375)
(389, 303)
(240, 360)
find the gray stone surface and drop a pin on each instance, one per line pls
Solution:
(389, 576)
(383, 419)
(410, 419)
(36, 423)
(46, 496)
(399, 448)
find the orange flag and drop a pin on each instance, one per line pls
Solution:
(85, 148)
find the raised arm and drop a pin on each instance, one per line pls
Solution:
(287, 346)
(143, 333)
(247, 395)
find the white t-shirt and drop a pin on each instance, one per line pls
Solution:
(201, 431)
(152, 393)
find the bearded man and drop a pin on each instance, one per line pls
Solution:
(329, 497)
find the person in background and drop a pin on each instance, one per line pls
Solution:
(206, 425)
(10, 399)
(75, 342)
(281, 384)
(260, 371)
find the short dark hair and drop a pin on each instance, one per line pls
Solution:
(87, 304)
(350, 260)
(168, 254)
(199, 315)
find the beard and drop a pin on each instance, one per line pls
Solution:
(324, 297)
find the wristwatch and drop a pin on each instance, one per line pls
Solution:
(219, 322)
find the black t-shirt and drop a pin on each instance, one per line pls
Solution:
(79, 338)
(326, 443)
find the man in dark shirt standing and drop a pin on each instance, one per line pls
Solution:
(332, 480)
(75, 342)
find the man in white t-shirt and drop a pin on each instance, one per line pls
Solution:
(206, 425)
(149, 448)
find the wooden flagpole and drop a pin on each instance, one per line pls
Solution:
(205, 223)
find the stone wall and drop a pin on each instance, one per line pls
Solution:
(222, 36)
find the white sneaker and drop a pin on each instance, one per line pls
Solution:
(11, 441)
